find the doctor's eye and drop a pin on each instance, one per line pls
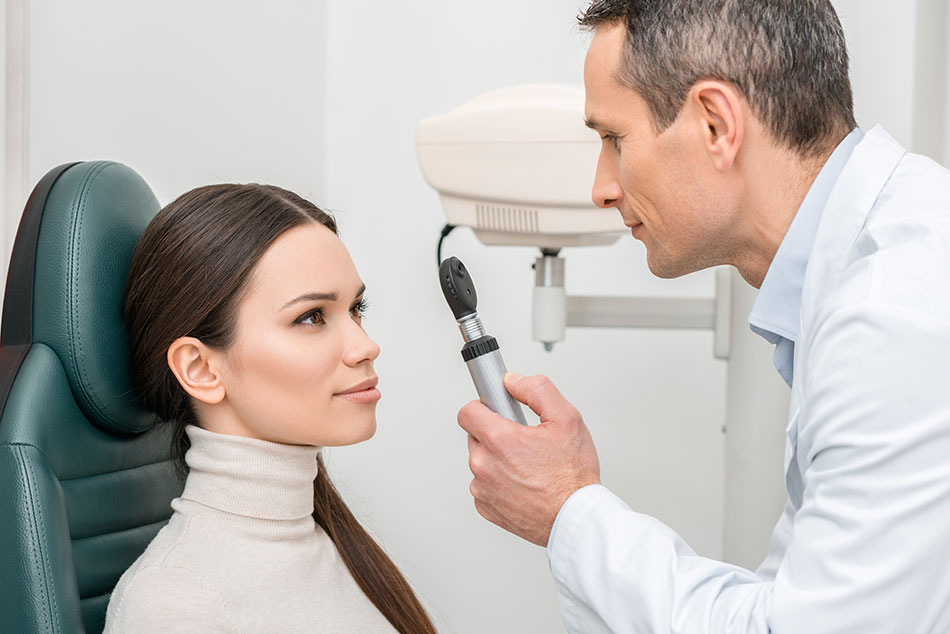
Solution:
(613, 139)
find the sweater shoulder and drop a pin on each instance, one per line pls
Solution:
(167, 598)
(161, 593)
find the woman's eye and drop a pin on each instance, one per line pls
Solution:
(358, 310)
(613, 139)
(312, 318)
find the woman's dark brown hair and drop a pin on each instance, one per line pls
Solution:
(188, 275)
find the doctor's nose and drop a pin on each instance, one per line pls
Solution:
(607, 191)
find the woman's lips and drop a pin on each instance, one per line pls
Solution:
(364, 392)
(362, 396)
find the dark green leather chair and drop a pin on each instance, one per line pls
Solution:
(85, 478)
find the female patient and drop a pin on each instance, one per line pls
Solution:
(244, 312)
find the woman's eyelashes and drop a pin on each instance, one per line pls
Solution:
(358, 310)
(318, 316)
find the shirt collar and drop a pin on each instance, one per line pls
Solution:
(775, 313)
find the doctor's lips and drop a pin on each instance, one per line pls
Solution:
(633, 226)
(364, 392)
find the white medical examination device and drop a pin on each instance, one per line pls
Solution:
(516, 166)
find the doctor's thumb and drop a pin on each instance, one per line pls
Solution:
(541, 395)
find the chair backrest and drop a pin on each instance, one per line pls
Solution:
(85, 477)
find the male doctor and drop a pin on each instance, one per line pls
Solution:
(728, 138)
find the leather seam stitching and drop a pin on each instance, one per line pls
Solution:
(46, 562)
(119, 532)
(93, 475)
(107, 473)
(36, 517)
(75, 233)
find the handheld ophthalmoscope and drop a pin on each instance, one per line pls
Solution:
(480, 352)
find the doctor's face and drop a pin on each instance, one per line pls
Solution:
(658, 182)
(300, 368)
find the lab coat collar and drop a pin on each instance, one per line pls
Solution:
(775, 313)
(858, 187)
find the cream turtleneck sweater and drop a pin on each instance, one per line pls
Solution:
(241, 552)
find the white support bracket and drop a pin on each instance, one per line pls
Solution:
(658, 312)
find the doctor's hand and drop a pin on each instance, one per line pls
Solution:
(523, 475)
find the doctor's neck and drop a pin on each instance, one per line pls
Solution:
(775, 180)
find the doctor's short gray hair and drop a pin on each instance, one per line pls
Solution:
(788, 58)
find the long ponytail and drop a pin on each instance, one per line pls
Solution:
(372, 569)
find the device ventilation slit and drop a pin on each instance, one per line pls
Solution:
(515, 219)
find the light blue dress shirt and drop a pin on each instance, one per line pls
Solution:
(775, 313)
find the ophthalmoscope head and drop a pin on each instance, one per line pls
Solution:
(458, 288)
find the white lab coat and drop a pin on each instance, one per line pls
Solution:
(864, 542)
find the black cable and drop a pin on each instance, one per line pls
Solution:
(446, 230)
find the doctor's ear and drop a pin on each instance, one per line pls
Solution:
(718, 109)
(195, 366)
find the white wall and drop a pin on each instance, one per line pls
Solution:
(930, 78)
(186, 93)
(899, 68)
(4, 216)
(880, 40)
(654, 400)
(12, 78)
(946, 112)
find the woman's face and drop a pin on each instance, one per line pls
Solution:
(300, 368)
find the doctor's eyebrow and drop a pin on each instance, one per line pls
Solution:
(593, 124)
(313, 297)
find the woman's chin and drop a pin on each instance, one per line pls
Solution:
(369, 430)
(354, 431)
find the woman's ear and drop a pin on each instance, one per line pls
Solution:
(195, 366)
(718, 110)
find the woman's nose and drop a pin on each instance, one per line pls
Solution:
(360, 347)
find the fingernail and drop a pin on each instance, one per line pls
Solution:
(512, 377)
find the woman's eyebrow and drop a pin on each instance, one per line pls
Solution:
(313, 297)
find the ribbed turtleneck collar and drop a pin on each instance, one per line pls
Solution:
(250, 477)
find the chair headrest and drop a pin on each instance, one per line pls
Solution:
(94, 215)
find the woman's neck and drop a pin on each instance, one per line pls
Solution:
(250, 477)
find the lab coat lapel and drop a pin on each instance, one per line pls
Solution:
(845, 214)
